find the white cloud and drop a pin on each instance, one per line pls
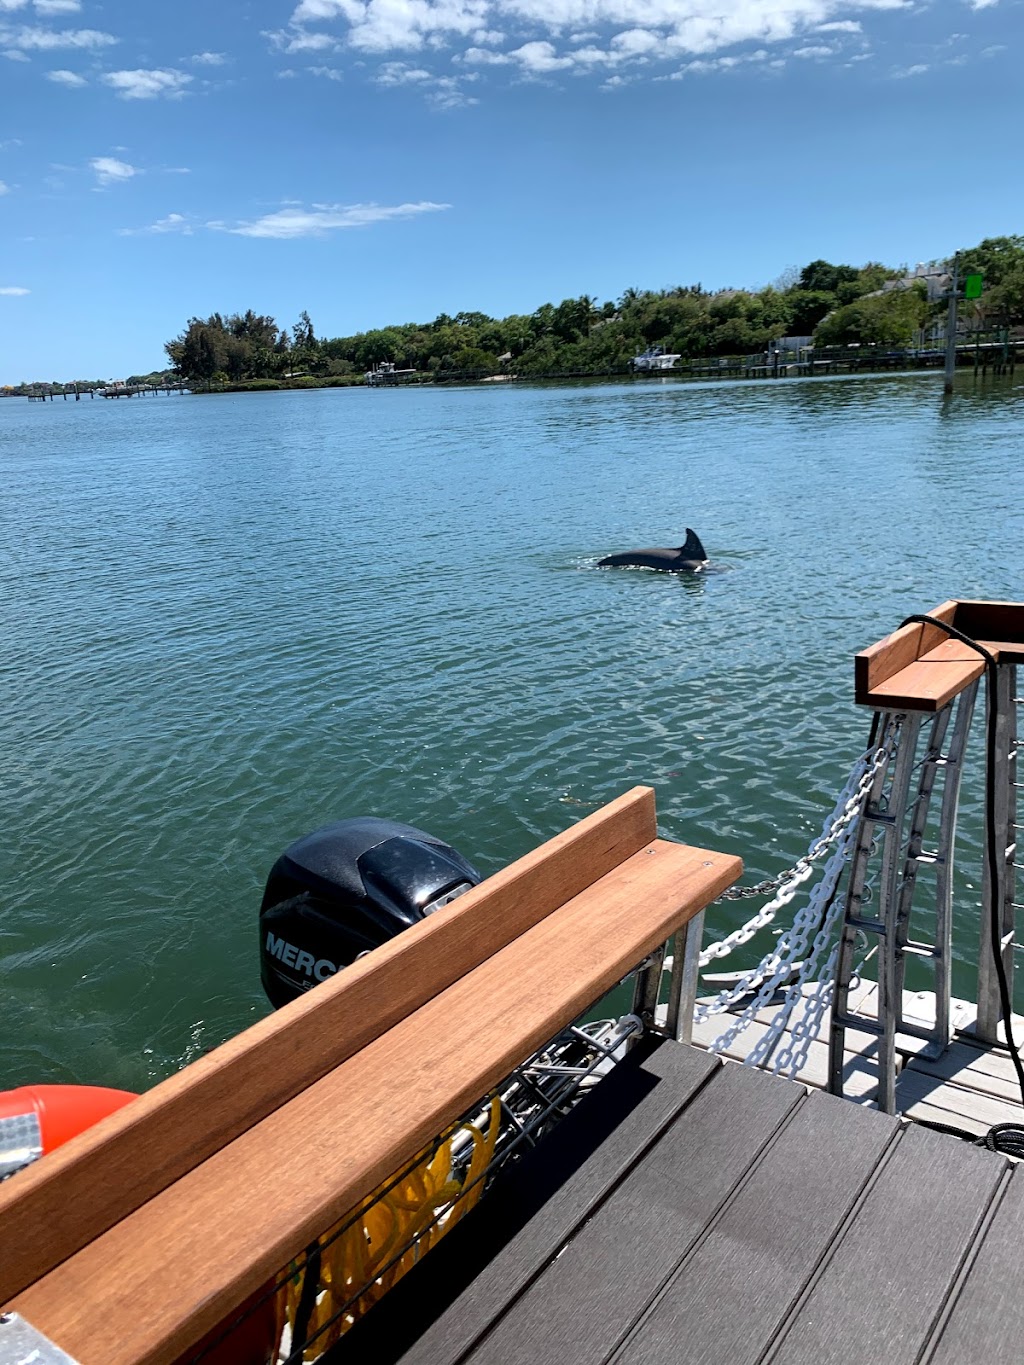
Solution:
(47, 7)
(982, 4)
(330, 73)
(110, 171)
(703, 66)
(208, 58)
(449, 94)
(478, 56)
(400, 73)
(28, 39)
(812, 52)
(539, 58)
(292, 222)
(323, 9)
(4, 188)
(299, 41)
(840, 26)
(14, 291)
(13, 55)
(147, 85)
(440, 92)
(680, 28)
(918, 70)
(174, 222)
(69, 78)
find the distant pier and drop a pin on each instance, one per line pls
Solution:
(51, 392)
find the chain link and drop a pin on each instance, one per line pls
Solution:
(845, 814)
(795, 958)
(789, 957)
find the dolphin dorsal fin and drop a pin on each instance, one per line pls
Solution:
(692, 548)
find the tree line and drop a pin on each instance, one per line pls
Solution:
(836, 305)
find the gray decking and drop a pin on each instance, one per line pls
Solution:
(971, 1086)
(695, 1211)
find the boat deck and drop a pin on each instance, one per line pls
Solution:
(971, 1086)
(695, 1210)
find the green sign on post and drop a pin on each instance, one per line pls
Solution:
(972, 287)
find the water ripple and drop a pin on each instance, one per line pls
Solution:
(230, 620)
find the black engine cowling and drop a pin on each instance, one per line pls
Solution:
(345, 889)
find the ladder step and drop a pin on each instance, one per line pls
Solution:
(857, 1021)
(922, 950)
(879, 817)
(869, 926)
(911, 1030)
(929, 857)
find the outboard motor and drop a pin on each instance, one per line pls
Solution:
(345, 889)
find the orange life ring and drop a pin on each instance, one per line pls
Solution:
(46, 1116)
(61, 1111)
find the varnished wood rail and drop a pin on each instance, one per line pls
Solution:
(153, 1227)
(920, 668)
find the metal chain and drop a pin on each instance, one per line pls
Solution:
(789, 956)
(792, 1058)
(844, 815)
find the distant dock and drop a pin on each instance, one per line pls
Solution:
(51, 392)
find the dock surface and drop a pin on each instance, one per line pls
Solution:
(972, 1086)
(691, 1210)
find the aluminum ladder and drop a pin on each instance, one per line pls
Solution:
(897, 820)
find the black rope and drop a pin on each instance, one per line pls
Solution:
(1012, 1135)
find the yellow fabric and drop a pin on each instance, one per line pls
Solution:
(413, 1213)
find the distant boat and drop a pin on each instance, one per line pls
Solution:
(654, 358)
(385, 374)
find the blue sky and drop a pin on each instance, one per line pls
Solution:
(380, 161)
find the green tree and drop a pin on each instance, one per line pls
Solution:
(824, 275)
(303, 336)
(1000, 261)
(807, 308)
(880, 320)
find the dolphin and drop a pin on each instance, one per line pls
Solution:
(691, 556)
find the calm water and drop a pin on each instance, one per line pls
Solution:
(229, 620)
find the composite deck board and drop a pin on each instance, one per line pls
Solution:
(860, 1072)
(586, 1301)
(975, 1068)
(763, 1249)
(760, 1223)
(877, 1296)
(437, 1313)
(986, 1323)
(919, 1095)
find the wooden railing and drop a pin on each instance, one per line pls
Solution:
(139, 1237)
(920, 668)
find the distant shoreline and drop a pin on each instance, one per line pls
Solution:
(866, 361)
